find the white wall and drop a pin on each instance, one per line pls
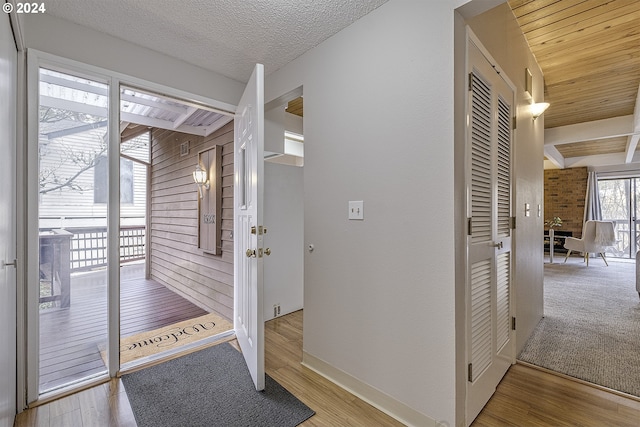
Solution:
(284, 219)
(379, 293)
(500, 34)
(276, 121)
(66, 39)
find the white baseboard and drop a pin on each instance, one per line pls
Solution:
(369, 394)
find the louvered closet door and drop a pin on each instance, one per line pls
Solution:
(489, 136)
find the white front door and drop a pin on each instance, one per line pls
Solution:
(8, 84)
(247, 225)
(490, 342)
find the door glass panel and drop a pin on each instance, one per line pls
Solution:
(72, 149)
(615, 200)
(635, 220)
(242, 185)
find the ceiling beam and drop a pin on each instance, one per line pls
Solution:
(589, 131)
(223, 120)
(632, 144)
(101, 90)
(554, 156)
(123, 126)
(632, 140)
(162, 124)
(94, 110)
(183, 117)
(78, 107)
(74, 84)
(598, 160)
(76, 129)
(184, 103)
(153, 104)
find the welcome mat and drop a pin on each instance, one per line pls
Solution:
(209, 388)
(148, 343)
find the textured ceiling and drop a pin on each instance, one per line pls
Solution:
(225, 36)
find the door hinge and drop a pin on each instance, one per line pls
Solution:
(513, 323)
(470, 372)
(514, 123)
(470, 82)
(512, 222)
(469, 231)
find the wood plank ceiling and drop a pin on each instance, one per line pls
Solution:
(589, 52)
(296, 107)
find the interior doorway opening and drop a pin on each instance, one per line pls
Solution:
(284, 205)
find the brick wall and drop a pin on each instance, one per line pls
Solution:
(564, 193)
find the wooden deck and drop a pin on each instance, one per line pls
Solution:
(71, 339)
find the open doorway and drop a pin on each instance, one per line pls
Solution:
(166, 279)
(284, 207)
(181, 292)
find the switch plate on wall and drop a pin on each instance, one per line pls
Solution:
(356, 210)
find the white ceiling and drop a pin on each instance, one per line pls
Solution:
(225, 36)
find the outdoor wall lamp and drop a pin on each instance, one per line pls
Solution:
(200, 178)
(538, 108)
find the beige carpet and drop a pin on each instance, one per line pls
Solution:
(591, 328)
(170, 337)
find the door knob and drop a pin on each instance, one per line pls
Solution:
(13, 263)
(251, 253)
(267, 251)
(497, 245)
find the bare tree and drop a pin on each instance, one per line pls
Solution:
(72, 162)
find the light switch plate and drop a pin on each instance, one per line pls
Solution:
(356, 210)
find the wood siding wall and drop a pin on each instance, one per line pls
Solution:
(175, 260)
(564, 194)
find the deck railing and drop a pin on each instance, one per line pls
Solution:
(88, 247)
(78, 249)
(627, 240)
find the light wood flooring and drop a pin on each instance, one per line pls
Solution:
(526, 396)
(531, 397)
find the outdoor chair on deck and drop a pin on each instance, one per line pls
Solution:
(596, 237)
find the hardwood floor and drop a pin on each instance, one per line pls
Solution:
(526, 397)
(530, 397)
(107, 404)
(333, 405)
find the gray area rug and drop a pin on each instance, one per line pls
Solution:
(591, 328)
(211, 387)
